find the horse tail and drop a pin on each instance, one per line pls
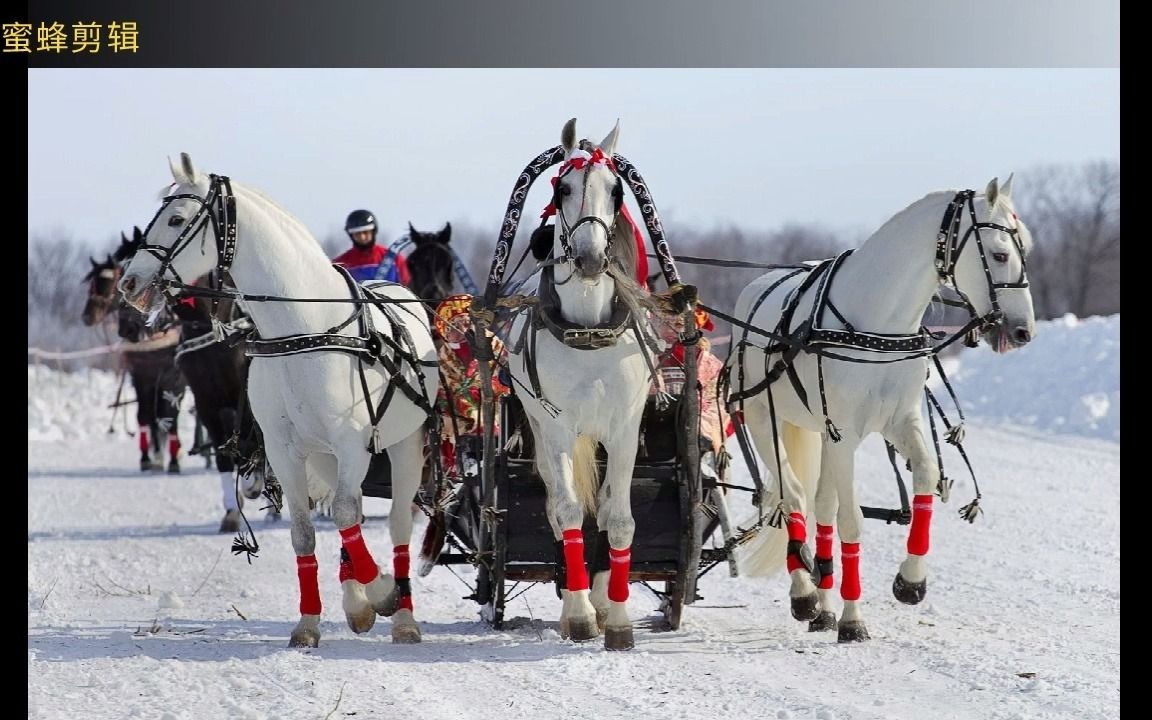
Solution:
(585, 472)
(767, 553)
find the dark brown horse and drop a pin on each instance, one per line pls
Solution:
(149, 358)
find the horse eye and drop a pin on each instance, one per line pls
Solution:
(564, 189)
(1001, 257)
(175, 221)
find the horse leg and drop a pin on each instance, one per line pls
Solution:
(407, 459)
(826, 506)
(360, 577)
(295, 486)
(577, 614)
(803, 592)
(616, 518)
(226, 466)
(911, 582)
(850, 519)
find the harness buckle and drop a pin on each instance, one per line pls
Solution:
(594, 338)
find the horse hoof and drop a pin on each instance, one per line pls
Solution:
(385, 603)
(805, 608)
(824, 622)
(852, 631)
(619, 638)
(361, 621)
(909, 593)
(173, 468)
(304, 638)
(405, 631)
(581, 629)
(231, 522)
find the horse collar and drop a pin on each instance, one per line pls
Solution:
(579, 337)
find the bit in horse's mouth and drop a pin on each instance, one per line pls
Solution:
(147, 301)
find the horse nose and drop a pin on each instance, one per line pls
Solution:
(1021, 336)
(590, 265)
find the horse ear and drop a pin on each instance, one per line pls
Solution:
(1006, 188)
(411, 230)
(123, 238)
(93, 261)
(992, 192)
(110, 261)
(446, 233)
(176, 176)
(189, 170)
(137, 235)
(608, 144)
(568, 135)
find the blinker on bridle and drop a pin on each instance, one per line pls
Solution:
(949, 245)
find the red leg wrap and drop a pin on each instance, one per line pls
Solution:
(363, 565)
(400, 565)
(850, 561)
(307, 571)
(574, 559)
(621, 563)
(921, 522)
(797, 530)
(824, 552)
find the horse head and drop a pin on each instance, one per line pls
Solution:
(177, 246)
(588, 195)
(101, 279)
(986, 261)
(431, 263)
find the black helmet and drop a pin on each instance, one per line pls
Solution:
(359, 220)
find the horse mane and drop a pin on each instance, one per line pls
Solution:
(622, 268)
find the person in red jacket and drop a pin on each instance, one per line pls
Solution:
(365, 256)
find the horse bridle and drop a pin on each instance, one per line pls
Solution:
(565, 230)
(217, 207)
(949, 245)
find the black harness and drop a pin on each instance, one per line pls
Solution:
(810, 337)
(392, 349)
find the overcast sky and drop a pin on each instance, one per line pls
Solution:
(753, 147)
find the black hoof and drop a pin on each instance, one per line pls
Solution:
(909, 593)
(805, 608)
(852, 631)
(824, 622)
(173, 468)
(619, 638)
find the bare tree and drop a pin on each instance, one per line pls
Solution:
(1074, 215)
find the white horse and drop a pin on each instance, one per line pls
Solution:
(880, 291)
(588, 381)
(321, 380)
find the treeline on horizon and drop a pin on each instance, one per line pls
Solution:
(1073, 212)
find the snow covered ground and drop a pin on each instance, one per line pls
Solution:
(137, 609)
